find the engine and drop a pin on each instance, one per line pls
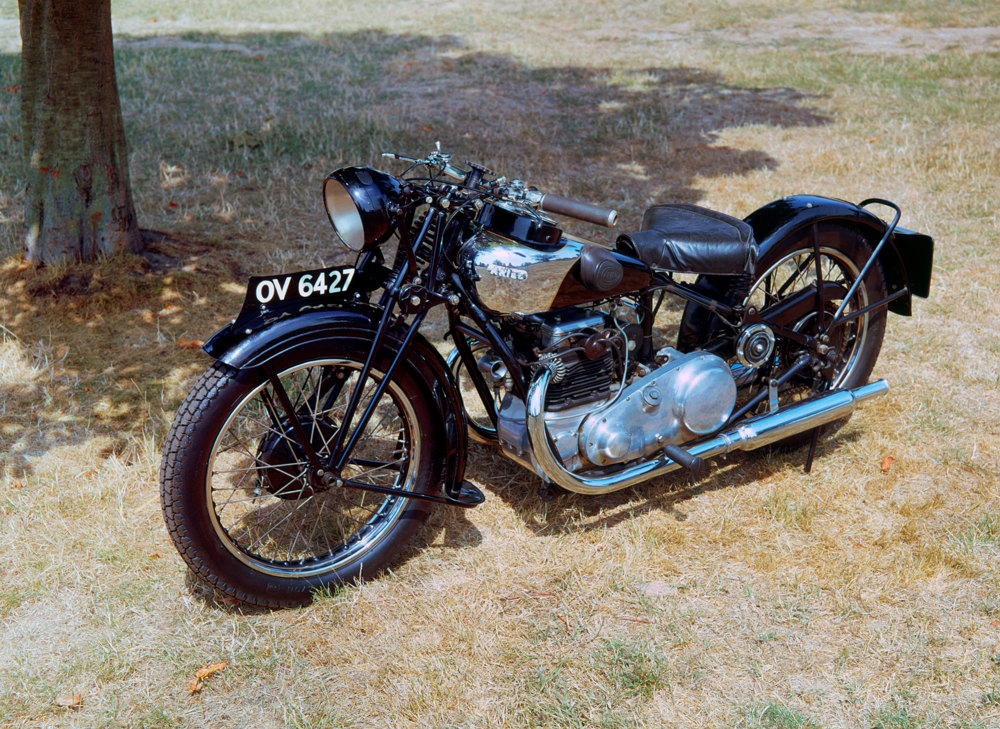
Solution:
(600, 410)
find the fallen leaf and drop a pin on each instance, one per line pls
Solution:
(198, 682)
(70, 701)
(190, 343)
(258, 57)
(11, 89)
(427, 129)
(872, 139)
(887, 463)
(18, 484)
(155, 555)
(171, 204)
(209, 668)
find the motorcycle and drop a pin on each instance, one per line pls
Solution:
(328, 426)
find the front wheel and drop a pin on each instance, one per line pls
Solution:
(240, 500)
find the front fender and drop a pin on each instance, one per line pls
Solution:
(247, 344)
(255, 341)
(907, 258)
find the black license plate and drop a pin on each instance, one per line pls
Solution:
(265, 293)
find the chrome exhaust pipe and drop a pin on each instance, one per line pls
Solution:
(748, 435)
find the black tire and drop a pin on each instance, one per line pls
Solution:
(233, 483)
(844, 252)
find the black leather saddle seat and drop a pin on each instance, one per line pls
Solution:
(692, 239)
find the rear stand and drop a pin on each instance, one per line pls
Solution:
(812, 449)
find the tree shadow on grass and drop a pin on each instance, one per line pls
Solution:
(296, 105)
(231, 136)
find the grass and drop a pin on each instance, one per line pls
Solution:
(759, 597)
(776, 716)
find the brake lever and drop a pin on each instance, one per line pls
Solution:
(402, 157)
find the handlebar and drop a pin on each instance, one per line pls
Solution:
(515, 189)
(580, 210)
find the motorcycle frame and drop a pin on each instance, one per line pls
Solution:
(415, 292)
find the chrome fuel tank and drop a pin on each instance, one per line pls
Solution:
(512, 277)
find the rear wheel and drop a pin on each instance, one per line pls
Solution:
(787, 269)
(239, 497)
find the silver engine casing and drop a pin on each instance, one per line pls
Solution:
(690, 396)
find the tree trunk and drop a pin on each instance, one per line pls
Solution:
(78, 204)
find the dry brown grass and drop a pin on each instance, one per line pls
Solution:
(758, 597)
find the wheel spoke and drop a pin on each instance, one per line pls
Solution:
(263, 500)
(359, 476)
(285, 518)
(259, 467)
(794, 273)
(798, 272)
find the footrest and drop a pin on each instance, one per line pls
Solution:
(693, 464)
(468, 496)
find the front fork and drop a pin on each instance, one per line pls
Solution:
(327, 472)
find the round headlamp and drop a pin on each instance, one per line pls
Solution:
(361, 203)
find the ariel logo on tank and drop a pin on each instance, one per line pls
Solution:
(501, 271)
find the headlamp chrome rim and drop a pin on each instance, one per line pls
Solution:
(361, 203)
(343, 214)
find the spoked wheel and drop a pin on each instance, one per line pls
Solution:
(245, 506)
(854, 345)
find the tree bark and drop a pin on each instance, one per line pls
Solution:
(78, 204)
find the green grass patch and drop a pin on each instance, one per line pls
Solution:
(633, 669)
(776, 716)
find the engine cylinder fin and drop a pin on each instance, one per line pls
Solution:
(585, 381)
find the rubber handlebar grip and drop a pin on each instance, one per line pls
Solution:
(580, 210)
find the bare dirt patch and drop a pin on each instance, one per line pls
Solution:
(857, 33)
(852, 32)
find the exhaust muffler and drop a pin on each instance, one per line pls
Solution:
(748, 435)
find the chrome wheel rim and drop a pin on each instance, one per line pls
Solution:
(262, 505)
(796, 271)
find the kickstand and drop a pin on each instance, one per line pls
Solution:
(812, 449)
(547, 492)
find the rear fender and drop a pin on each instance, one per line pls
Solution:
(906, 259)
(249, 344)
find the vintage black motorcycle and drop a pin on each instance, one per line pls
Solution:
(316, 444)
